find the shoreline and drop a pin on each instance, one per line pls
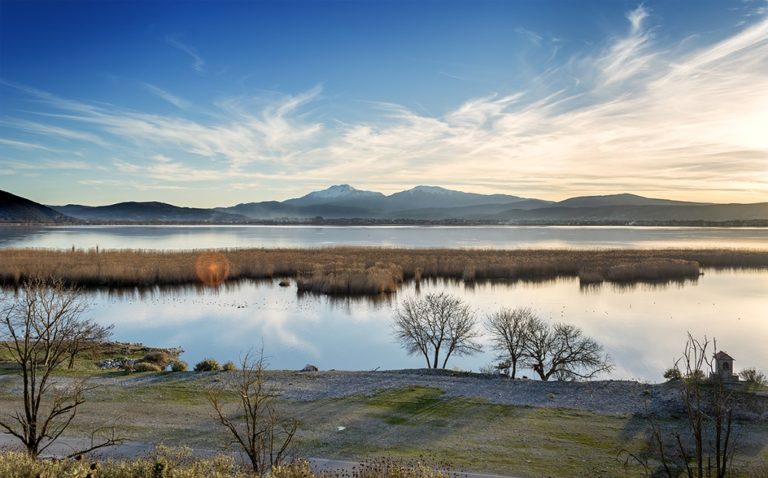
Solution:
(737, 224)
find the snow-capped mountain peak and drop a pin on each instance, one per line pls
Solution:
(338, 190)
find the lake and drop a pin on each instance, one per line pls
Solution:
(489, 237)
(643, 327)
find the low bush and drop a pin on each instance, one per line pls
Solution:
(753, 377)
(165, 462)
(179, 366)
(672, 374)
(146, 367)
(207, 365)
(159, 358)
(229, 366)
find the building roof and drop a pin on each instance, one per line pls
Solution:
(722, 355)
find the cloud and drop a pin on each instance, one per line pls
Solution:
(176, 101)
(529, 35)
(630, 55)
(245, 132)
(24, 145)
(663, 120)
(48, 130)
(647, 117)
(47, 164)
(198, 62)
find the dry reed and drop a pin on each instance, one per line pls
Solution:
(358, 270)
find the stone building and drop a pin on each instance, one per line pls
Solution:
(724, 368)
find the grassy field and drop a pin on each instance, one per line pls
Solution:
(406, 422)
(364, 270)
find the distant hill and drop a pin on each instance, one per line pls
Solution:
(632, 214)
(148, 212)
(422, 197)
(343, 204)
(421, 202)
(263, 210)
(621, 200)
(18, 209)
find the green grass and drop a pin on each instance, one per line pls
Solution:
(408, 423)
(470, 434)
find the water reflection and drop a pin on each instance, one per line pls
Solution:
(478, 237)
(646, 286)
(642, 327)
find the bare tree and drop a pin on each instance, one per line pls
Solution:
(705, 447)
(508, 330)
(40, 324)
(437, 323)
(563, 351)
(87, 339)
(254, 423)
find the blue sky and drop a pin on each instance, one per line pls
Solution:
(216, 103)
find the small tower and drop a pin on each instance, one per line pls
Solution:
(724, 368)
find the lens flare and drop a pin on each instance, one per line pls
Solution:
(212, 268)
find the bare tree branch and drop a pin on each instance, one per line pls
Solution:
(562, 351)
(41, 329)
(508, 329)
(436, 324)
(255, 424)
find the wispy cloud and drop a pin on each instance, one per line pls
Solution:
(49, 130)
(631, 55)
(665, 111)
(29, 146)
(666, 120)
(529, 35)
(176, 101)
(46, 165)
(197, 61)
(245, 132)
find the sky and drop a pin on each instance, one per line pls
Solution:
(203, 103)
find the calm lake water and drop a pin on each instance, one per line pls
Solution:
(642, 327)
(504, 237)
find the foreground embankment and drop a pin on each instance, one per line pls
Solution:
(476, 422)
(359, 270)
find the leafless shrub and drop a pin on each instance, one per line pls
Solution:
(41, 326)
(254, 423)
(705, 448)
(753, 377)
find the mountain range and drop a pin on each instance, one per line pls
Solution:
(345, 204)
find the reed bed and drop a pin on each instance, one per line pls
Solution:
(361, 270)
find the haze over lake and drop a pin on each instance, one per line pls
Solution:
(490, 237)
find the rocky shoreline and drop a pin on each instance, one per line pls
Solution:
(613, 397)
